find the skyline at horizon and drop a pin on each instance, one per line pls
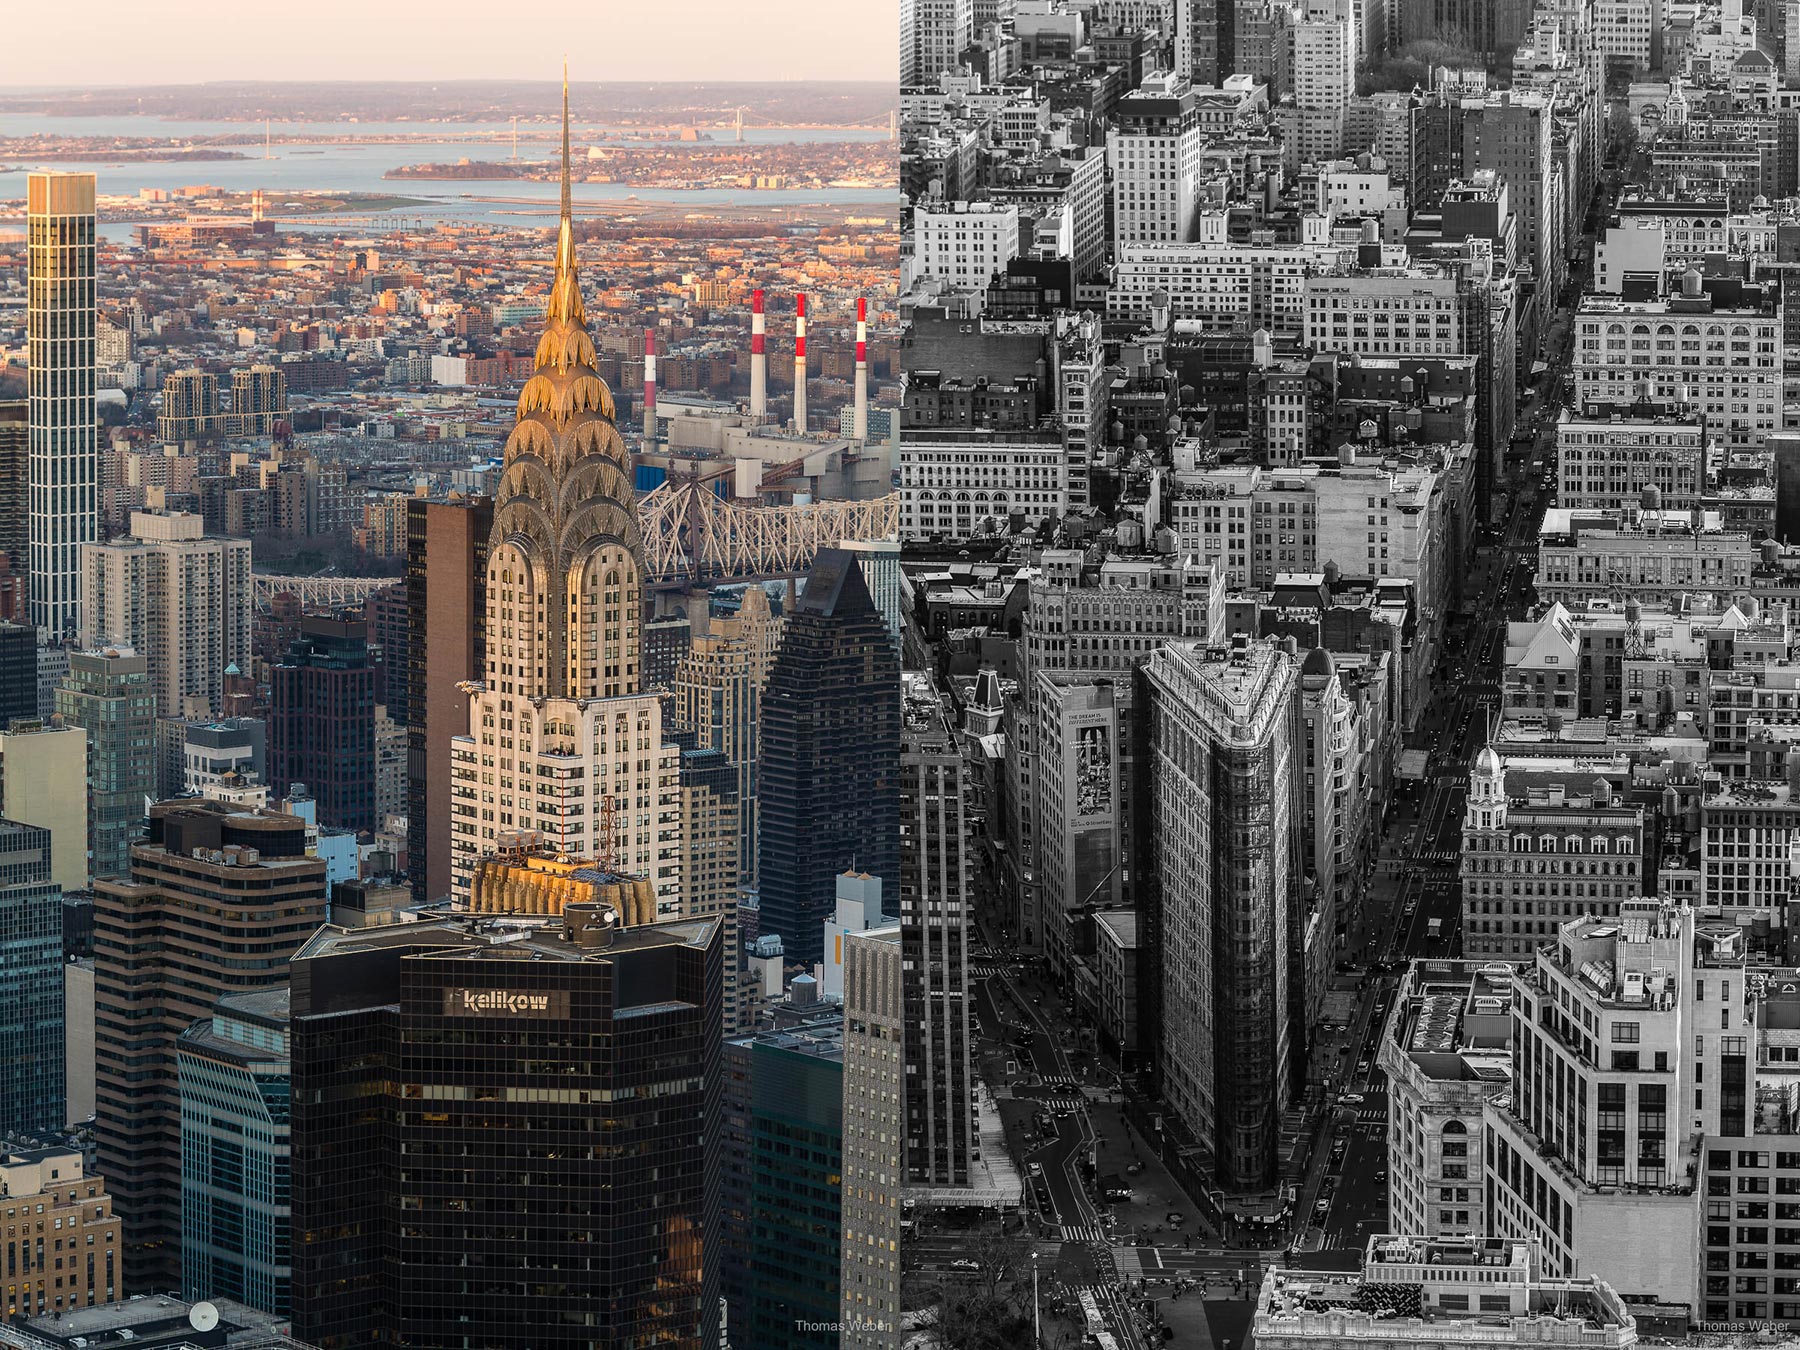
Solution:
(350, 43)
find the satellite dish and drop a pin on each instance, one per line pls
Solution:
(203, 1317)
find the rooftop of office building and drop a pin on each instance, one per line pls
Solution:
(511, 938)
(1453, 1020)
(1466, 1290)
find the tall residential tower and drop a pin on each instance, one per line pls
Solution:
(64, 508)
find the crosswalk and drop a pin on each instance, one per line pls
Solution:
(1060, 1103)
(1082, 1232)
(1436, 855)
(1059, 1080)
(985, 970)
(1370, 1115)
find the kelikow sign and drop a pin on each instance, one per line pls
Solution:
(506, 1003)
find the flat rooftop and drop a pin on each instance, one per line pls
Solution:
(502, 937)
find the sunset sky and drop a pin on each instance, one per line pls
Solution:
(189, 41)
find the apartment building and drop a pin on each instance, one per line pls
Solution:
(177, 596)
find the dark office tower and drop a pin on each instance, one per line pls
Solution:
(385, 613)
(934, 925)
(108, 694)
(784, 1107)
(217, 902)
(322, 721)
(18, 672)
(31, 984)
(15, 437)
(446, 559)
(830, 755)
(505, 1137)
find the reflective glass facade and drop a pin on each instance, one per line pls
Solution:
(232, 1069)
(502, 1138)
(31, 984)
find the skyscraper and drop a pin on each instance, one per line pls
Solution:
(873, 1123)
(217, 902)
(232, 1069)
(829, 791)
(446, 617)
(322, 721)
(31, 984)
(560, 737)
(1218, 834)
(107, 694)
(64, 510)
(718, 697)
(934, 931)
(591, 1048)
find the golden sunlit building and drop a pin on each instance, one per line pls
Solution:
(61, 1239)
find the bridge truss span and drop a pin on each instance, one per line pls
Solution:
(694, 535)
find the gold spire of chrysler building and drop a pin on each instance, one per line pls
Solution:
(561, 736)
(565, 295)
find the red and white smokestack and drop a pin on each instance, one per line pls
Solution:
(759, 360)
(649, 384)
(800, 362)
(859, 427)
